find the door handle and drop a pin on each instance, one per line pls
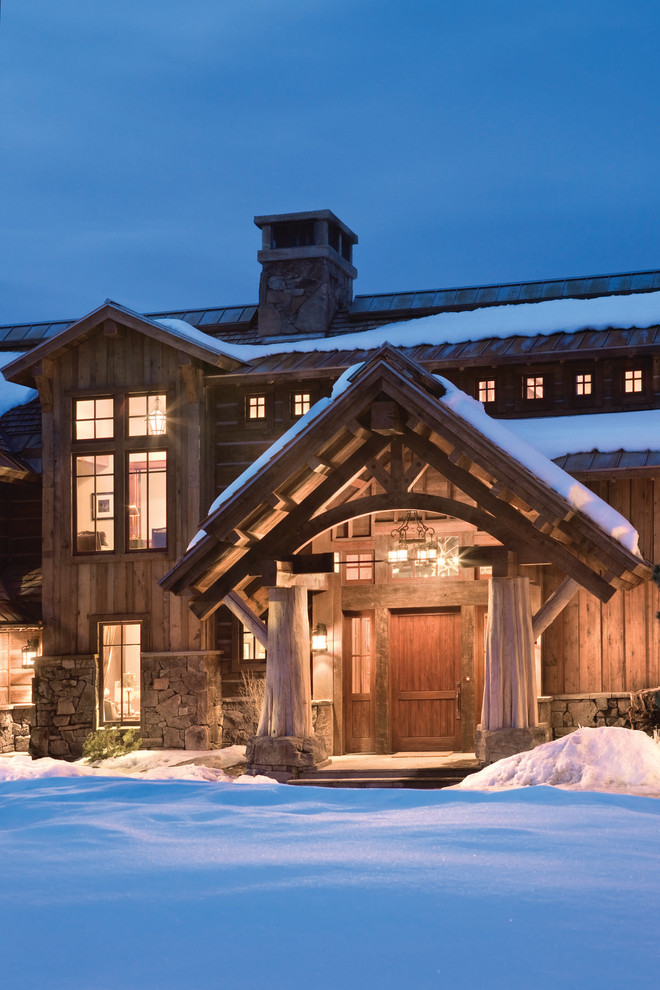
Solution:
(458, 699)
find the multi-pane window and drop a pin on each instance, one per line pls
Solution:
(251, 648)
(533, 387)
(583, 384)
(301, 402)
(486, 390)
(256, 407)
(147, 500)
(632, 380)
(93, 419)
(95, 502)
(147, 415)
(359, 567)
(120, 666)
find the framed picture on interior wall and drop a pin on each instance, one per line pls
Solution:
(103, 505)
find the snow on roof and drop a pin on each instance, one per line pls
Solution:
(10, 394)
(577, 495)
(519, 319)
(188, 332)
(555, 436)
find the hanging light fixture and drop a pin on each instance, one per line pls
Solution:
(156, 419)
(30, 652)
(320, 638)
(413, 542)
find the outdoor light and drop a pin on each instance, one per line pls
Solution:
(319, 638)
(156, 419)
(30, 652)
(413, 542)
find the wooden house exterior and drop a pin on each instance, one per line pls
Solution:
(402, 665)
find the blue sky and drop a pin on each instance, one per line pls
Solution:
(465, 143)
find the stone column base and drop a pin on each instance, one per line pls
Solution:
(283, 757)
(491, 745)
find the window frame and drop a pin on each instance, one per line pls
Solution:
(101, 623)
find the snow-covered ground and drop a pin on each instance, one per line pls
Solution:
(187, 883)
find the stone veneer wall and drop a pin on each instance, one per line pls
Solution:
(15, 724)
(567, 712)
(181, 702)
(235, 731)
(64, 692)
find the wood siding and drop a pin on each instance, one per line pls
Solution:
(80, 590)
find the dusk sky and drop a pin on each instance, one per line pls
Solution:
(464, 142)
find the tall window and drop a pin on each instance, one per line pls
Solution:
(632, 381)
(486, 390)
(120, 666)
(119, 471)
(361, 654)
(533, 387)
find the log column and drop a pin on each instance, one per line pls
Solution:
(285, 745)
(509, 722)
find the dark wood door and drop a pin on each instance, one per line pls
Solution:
(358, 682)
(425, 674)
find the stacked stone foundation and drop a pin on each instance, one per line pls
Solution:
(567, 712)
(64, 692)
(15, 726)
(181, 702)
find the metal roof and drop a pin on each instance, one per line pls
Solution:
(239, 323)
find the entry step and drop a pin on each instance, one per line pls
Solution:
(421, 778)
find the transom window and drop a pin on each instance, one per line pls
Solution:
(256, 407)
(94, 419)
(302, 402)
(359, 567)
(120, 667)
(583, 384)
(533, 386)
(486, 390)
(632, 380)
(147, 415)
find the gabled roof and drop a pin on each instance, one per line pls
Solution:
(305, 483)
(187, 339)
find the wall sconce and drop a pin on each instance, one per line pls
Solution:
(30, 652)
(319, 638)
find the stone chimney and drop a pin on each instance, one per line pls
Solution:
(307, 272)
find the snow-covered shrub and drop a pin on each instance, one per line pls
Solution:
(110, 741)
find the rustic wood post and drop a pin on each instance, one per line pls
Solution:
(288, 701)
(510, 683)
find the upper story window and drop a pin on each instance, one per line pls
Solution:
(147, 415)
(120, 475)
(256, 407)
(583, 384)
(486, 390)
(633, 381)
(533, 387)
(93, 419)
(359, 567)
(300, 403)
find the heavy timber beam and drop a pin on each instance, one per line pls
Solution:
(555, 604)
(244, 614)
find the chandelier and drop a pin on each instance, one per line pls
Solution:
(415, 550)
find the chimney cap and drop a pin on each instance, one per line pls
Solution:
(264, 221)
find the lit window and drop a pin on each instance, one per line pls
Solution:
(252, 649)
(486, 390)
(256, 407)
(533, 387)
(95, 502)
(147, 500)
(361, 652)
(583, 384)
(359, 567)
(120, 662)
(301, 403)
(94, 419)
(147, 415)
(632, 381)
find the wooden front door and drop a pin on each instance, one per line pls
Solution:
(359, 682)
(425, 676)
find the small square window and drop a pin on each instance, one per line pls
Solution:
(256, 407)
(94, 419)
(583, 384)
(486, 390)
(301, 402)
(147, 415)
(359, 567)
(533, 387)
(632, 381)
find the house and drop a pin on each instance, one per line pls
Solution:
(356, 493)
